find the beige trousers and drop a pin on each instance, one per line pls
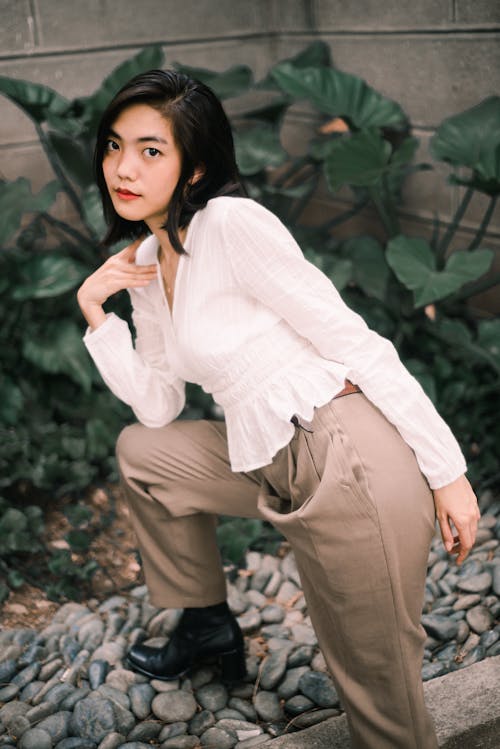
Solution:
(359, 515)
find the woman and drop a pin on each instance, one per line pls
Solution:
(326, 434)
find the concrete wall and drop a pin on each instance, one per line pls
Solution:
(435, 57)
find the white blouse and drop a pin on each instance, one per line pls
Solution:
(267, 334)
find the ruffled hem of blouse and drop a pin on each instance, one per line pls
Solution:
(261, 425)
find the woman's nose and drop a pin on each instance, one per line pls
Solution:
(126, 169)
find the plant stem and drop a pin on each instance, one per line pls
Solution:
(67, 229)
(294, 167)
(435, 231)
(450, 232)
(388, 217)
(59, 172)
(473, 348)
(301, 203)
(345, 216)
(476, 288)
(484, 223)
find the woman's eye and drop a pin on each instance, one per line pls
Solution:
(152, 151)
(111, 145)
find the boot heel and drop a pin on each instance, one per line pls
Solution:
(233, 666)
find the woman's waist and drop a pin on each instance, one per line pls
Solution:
(280, 378)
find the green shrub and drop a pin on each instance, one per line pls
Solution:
(58, 422)
(25, 558)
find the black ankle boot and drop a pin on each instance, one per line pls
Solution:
(211, 631)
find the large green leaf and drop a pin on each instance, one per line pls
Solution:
(92, 210)
(317, 53)
(359, 160)
(257, 148)
(32, 236)
(75, 158)
(71, 123)
(472, 139)
(485, 348)
(400, 165)
(414, 264)
(272, 113)
(405, 152)
(16, 199)
(340, 272)
(37, 101)
(340, 94)
(364, 159)
(232, 82)
(370, 269)
(58, 349)
(48, 275)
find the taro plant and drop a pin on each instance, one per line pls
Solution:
(414, 289)
(58, 423)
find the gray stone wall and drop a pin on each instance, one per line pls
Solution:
(435, 57)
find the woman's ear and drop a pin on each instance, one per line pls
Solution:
(197, 174)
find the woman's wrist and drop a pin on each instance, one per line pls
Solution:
(93, 312)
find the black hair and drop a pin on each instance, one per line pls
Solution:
(201, 132)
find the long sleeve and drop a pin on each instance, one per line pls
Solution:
(268, 265)
(140, 376)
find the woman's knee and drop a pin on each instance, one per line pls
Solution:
(137, 445)
(133, 445)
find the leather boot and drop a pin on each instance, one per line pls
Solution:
(211, 631)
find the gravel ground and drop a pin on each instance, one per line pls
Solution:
(66, 687)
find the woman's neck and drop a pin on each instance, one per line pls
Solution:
(165, 245)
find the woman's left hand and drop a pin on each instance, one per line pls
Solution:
(457, 502)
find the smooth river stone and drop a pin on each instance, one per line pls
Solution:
(35, 738)
(201, 722)
(268, 706)
(141, 697)
(174, 706)
(56, 725)
(93, 718)
(496, 579)
(476, 583)
(273, 668)
(439, 626)
(212, 697)
(479, 619)
(319, 688)
(290, 684)
(216, 737)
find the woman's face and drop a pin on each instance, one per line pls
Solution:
(141, 165)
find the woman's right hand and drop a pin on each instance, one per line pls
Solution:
(117, 273)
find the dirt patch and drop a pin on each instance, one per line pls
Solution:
(113, 548)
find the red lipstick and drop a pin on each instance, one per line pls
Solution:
(126, 194)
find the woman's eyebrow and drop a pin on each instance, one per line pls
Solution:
(142, 139)
(154, 138)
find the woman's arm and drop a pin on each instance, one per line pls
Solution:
(269, 265)
(140, 376)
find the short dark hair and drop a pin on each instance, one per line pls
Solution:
(202, 133)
